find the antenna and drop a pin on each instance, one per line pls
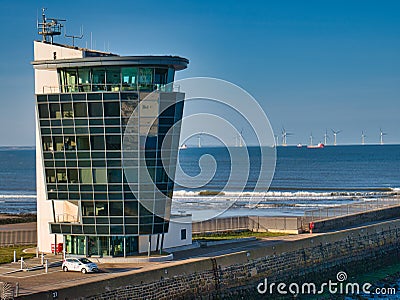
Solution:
(335, 133)
(74, 36)
(49, 27)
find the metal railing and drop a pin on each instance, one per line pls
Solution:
(348, 209)
(67, 218)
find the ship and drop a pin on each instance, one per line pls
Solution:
(183, 147)
(319, 145)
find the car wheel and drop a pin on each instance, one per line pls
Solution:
(65, 269)
(84, 271)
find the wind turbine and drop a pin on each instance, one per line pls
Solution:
(363, 136)
(382, 134)
(326, 137)
(335, 133)
(285, 134)
(199, 139)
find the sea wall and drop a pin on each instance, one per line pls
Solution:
(346, 221)
(239, 273)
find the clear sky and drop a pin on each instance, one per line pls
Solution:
(311, 65)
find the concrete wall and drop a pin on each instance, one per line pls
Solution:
(356, 219)
(230, 275)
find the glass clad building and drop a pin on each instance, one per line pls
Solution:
(81, 122)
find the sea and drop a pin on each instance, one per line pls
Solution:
(304, 179)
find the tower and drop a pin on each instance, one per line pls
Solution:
(85, 102)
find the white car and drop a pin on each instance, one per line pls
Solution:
(79, 264)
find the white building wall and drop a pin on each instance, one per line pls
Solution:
(172, 238)
(45, 51)
(46, 81)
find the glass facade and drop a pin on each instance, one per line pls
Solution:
(115, 79)
(96, 205)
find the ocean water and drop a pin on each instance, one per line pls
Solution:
(304, 179)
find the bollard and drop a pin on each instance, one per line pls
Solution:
(22, 262)
(37, 252)
(15, 256)
(46, 268)
(42, 259)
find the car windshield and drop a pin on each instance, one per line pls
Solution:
(84, 261)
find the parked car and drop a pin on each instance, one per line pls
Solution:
(79, 264)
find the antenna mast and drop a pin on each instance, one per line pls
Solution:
(49, 27)
(74, 37)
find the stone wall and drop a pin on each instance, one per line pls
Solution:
(239, 273)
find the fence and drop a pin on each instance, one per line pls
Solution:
(253, 223)
(348, 209)
(221, 224)
(18, 237)
(7, 290)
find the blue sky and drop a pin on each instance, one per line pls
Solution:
(311, 65)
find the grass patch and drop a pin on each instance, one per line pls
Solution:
(233, 235)
(17, 218)
(211, 193)
(7, 253)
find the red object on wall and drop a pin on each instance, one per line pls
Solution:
(57, 249)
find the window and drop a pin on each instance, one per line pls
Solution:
(71, 80)
(129, 79)
(55, 112)
(50, 176)
(98, 79)
(58, 143)
(80, 110)
(113, 79)
(160, 77)
(145, 78)
(114, 176)
(100, 175)
(61, 176)
(97, 142)
(111, 109)
(101, 208)
(95, 109)
(43, 111)
(83, 143)
(69, 143)
(86, 175)
(131, 208)
(67, 111)
(84, 80)
(113, 142)
(72, 176)
(87, 208)
(116, 209)
(183, 234)
(47, 143)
